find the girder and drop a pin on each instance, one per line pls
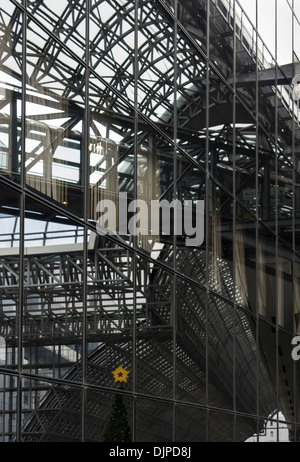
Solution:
(154, 100)
(53, 292)
(130, 301)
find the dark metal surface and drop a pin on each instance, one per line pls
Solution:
(108, 96)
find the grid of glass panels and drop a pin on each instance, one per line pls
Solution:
(107, 106)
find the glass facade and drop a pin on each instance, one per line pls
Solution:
(178, 326)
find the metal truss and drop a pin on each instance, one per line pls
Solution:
(113, 330)
(119, 302)
(54, 284)
(57, 67)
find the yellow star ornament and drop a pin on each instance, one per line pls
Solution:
(120, 374)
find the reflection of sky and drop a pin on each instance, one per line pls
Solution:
(267, 25)
(37, 233)
(266, 16)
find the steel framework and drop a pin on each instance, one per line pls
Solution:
(158, 99)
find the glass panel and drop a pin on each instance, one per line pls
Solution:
(115, 32)
(54, 122)
(9, 273)
(245, 258)
(191, 424)
(65, 19)
(115, 362)
(220, 353)
(221, 133)
(285, 159)
(50, 413)
(108, 417)
(220, 241)
(294, 433)
(245, 429)
(112, 302)
(245, 84)
(190, 343)
(154, 347)
(194, 18)
(10, 91)
(245, 363)
(155, 94)
(52, 324)
(267, 373)
(297, 174)
(266, 27)
(297, 32)
(266, 275)
(111, 154)
(154, 421)
(220, 427)
(249, 7)
(245, 172)
(287, 382)
(8, 400)
(284, 33)
(284, 288)
(113, 194)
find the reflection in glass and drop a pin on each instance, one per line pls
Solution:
(191, 419)
(148, 101)
(159, 415)
(44, 397)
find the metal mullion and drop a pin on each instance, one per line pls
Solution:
(294, 160)
(276, 216)
(13, 134)
(234, 214)
(22, 229)
(207, 217)
(135, 196)
(86, 163)
(175, 194)
(256, 222)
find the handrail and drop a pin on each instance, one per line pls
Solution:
(257, 50)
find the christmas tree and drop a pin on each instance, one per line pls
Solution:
(118, 429)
